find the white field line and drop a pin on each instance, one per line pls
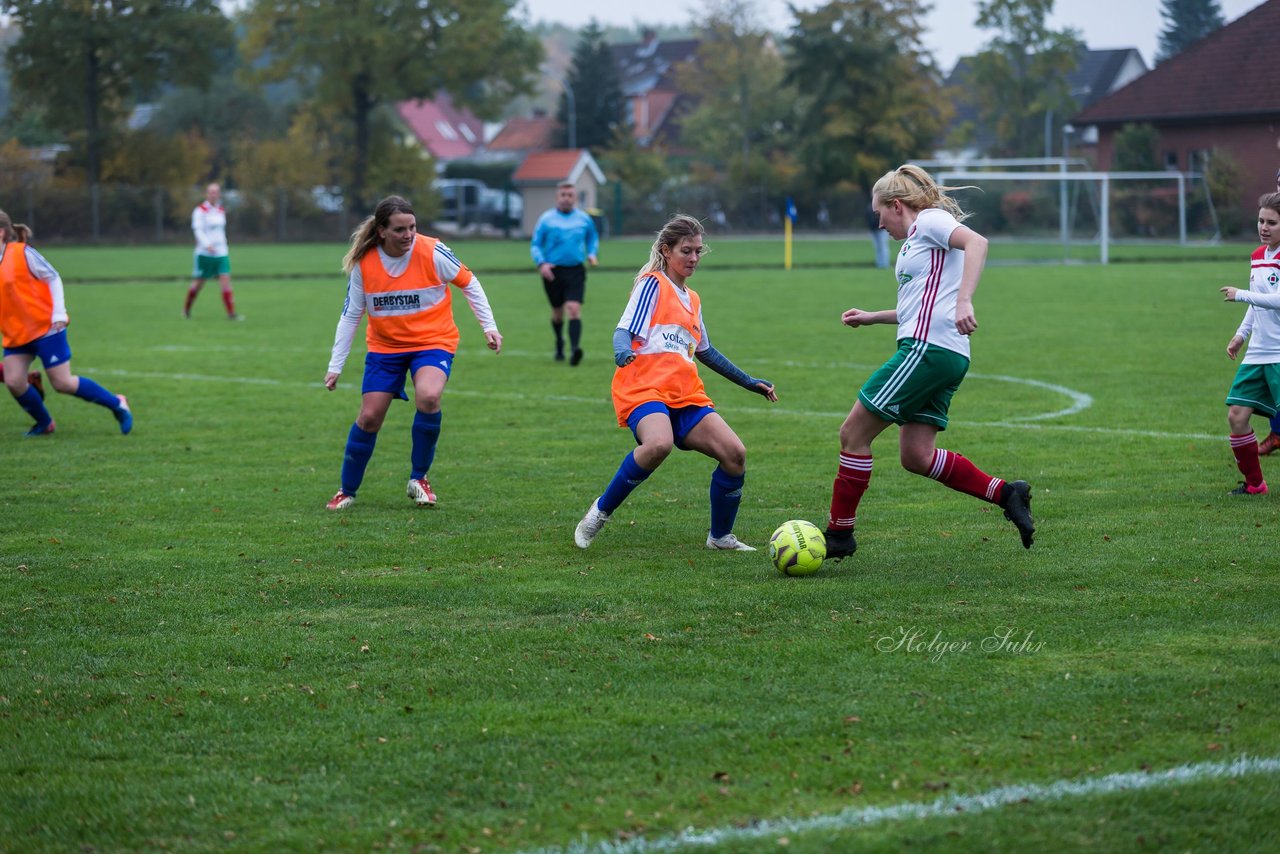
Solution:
(1079, 401)
(945, 807)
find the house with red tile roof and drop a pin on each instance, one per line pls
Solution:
(445, 130)
(1218, 93)
(538, 176)
(520, 137)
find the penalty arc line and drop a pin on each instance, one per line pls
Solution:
(946, 807)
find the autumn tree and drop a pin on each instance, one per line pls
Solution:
(597, 103)
(365, 55)
(869, 95)
(743, 106)
(1019, 80)
(1186, 21)
(86, 61)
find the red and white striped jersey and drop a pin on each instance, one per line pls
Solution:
(928, 273)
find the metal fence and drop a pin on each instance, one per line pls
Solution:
(126, 214)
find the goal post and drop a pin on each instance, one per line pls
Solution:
(1040, 200)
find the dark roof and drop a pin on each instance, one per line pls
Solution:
(1093, 77)
(1096, 74)
(642, 66)
(1223, 75)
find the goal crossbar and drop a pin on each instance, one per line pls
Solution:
(1105, 178)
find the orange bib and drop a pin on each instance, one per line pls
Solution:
(412, 311)
(663, 369)
(26, 303)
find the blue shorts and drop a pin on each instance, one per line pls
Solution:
(683, 419)
(386, 371)
(51, 349)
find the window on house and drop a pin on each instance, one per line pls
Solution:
(1198, 160)
(1171, 161)
(446, 130)
(468, 134)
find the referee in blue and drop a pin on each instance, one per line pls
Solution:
(563, 240)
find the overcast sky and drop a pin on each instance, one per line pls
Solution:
(951, 34)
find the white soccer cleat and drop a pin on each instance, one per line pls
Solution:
(420, 491)
(728, 543)
(590, 525)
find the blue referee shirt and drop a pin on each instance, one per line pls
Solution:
(564, 239)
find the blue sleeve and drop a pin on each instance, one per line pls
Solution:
(593, 237)
(535, 243)
(716, 361)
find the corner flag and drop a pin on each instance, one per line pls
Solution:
(787, 222)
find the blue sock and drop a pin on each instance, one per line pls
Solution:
(426, 432)
(34, 406)
(359, 450)
(94, 393)
(627, 478)
(726, 495)
(1275, 423)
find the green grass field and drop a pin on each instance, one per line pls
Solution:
(197, 656)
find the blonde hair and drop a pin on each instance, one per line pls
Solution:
(11, 231)
(916, 189)
(679, 227)
(365, 237)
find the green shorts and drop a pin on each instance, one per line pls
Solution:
(916, 384)
(211, 266)
(1257, 387)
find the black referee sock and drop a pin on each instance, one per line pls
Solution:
(575, 333)
(557, 326)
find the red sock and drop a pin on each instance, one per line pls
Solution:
(229, 300)
(1245, 447)
(852, 480)
(953, 470)
(192, 292)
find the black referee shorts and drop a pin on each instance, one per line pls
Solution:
(568, 284)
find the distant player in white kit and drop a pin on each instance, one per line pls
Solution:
(1256, 387)
(209, 225)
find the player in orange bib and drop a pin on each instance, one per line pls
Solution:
(658, 394)
(401, 280)
(33, 316)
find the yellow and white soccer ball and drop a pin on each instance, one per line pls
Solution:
(797, 548)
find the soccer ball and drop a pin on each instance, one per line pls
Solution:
(797, 548)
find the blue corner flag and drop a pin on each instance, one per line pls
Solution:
(791, 209)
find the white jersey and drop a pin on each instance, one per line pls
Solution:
(928, 273)
(209, 224)
(447, 267)
(1262, 321)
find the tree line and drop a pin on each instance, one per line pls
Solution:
(298, 93)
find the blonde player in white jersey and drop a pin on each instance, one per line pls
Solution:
(937, 273)
(209, 225)
(1256, 387)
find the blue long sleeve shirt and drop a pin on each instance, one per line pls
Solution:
(564, 239)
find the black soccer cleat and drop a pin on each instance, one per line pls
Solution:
(840, 544)
(1016, 502)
